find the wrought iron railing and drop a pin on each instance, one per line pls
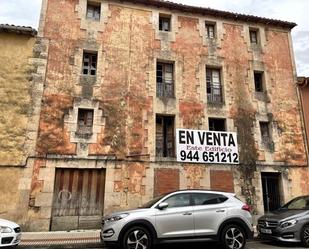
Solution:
(214, 93)
(165, 89)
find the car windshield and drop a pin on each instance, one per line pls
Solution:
(298, 203)
(152, 202)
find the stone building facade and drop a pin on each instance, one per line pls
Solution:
(120, 77)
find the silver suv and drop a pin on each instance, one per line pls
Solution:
(181, 216)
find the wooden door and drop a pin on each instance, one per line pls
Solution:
(78, 201)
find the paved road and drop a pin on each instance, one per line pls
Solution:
(250, 245)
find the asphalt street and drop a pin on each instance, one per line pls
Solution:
(208, 245)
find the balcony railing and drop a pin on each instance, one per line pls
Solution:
(214, 94)
(165, 89)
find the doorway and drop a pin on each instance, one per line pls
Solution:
(271, 191)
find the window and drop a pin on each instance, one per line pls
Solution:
(214, 89)
(265, 134)
(85, 121)
(165, 136)
(258, 81)
(216, 124)
(164, 23)
(208, 199)
(178, 200)
(90, 63)
(165, 80)
(93, 11)
(210, 30)
(253, 36)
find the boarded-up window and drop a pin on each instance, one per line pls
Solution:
(222, 180)
(165, 80)
(90, 63)
(164, 23)
(85, 121)
(93, 11)
(217, 124)
(165, 180)
(165, 136)
(214, 88)
(210, 30)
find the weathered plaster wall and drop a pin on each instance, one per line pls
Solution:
(15, 96)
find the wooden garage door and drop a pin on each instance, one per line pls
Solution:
(78, 199)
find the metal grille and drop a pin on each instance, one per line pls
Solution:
(271, 191)
(214, 93)
(268, 224)
(165, 89)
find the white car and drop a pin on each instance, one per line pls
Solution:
(10, 233)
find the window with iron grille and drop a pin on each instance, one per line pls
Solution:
(258, 81)
(165, 80)
(210, 30)
(90, 63)
(253, 36)
(84, 121)
(214, 87)
(266, 135)
(216, 124)
(165, 146)
(164, 23)
(93, 11)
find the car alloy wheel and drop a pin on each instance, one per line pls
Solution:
(234, 237)
(305, 236)
(137, 238)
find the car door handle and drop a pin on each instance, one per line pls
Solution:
(220, 211)
(187, 213)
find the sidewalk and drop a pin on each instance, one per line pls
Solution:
(60, 238)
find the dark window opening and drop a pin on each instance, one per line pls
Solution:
(208, 199)
(165, 136)
(210, 30)
(217, 124)
(253, 36)
(85, 121)
(90, 63)
(165, 80)
(214, 88)
(258, 81)
(164, 23)
(93, 11)
(266, 135)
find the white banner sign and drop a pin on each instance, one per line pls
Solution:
(196, 146)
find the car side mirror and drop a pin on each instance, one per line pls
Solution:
(162, 205)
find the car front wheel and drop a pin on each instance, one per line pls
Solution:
(137, 238)
(233, 237)
(305, 236)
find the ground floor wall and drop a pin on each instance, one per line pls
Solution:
(34, 196)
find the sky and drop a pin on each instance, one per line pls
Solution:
(27, 12)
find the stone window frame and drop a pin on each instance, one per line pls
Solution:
(166, 62)
(173, 154)
(221, 73)
(209, 24)
(165, 18)
(90, 53)
(94, 6)
(261, 83)
(217, 119)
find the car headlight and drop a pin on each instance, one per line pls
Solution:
(288, 223)
(116, 218)
(5, 230)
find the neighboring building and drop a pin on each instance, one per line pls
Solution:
(303, 89)
(122, 76)
(18, 131)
